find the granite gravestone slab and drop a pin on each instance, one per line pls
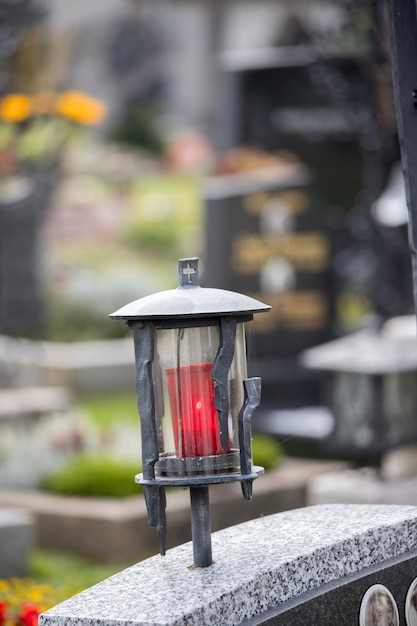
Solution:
(327, 565)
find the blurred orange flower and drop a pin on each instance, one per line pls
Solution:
(51, 121)
(80, 108)
(74, 105)
(15, 107)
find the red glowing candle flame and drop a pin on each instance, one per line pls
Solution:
(194, 417)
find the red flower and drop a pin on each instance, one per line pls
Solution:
(3, 612)
(28, 616)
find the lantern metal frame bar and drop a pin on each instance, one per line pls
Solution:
(143, 338)
(219, 374)
(252, 387)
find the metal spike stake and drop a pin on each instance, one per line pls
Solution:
(162, 521)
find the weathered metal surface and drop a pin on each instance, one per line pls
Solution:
(204, 479)
(220, 371)
(143, 337)
(252, 399)
(201, 526)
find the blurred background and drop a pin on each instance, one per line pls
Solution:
(260, 137)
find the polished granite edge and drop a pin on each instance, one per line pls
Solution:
(257, 565)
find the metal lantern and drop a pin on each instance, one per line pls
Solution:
(194, 398)
(369, 383)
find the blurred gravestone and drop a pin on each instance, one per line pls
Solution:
(22, 305)
(284, 99)
(24, 197)
(317, 108)
(266, 236)
(321, 102)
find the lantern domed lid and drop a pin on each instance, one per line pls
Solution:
(190, 300)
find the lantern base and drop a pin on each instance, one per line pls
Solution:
(208, 479)
(170, 465)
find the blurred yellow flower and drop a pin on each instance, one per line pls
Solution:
(15, 107)
(80, 108)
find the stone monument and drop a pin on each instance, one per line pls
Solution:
(327, 565)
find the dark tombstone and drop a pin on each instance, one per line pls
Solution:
(23, 197)
(322, 103)
(328, 98)
(267, 237)
(319, 108)
(22, 298)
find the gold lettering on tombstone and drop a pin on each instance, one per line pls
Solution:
(307, 252)
(295, 311)
(294, 201)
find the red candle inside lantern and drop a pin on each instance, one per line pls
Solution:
(194, 417)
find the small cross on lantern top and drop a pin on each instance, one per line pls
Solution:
(188, 270)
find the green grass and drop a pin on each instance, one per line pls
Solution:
(111, 410)
(266, 451)
(70, 320)
(95, 475)
(71, 571)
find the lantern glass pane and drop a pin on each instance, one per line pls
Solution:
(187, 420)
